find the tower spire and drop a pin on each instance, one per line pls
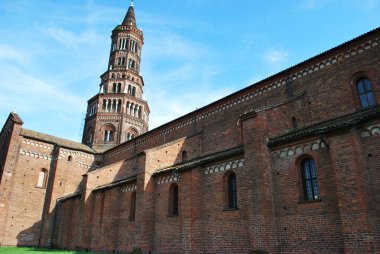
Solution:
(130, 19)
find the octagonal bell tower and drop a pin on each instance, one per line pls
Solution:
(118, 112)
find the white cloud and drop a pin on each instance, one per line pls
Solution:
(171, 45)
(165, 110)
(275, 56)
(10, 53)
(39, 101)
(312, 4)
(70, 39)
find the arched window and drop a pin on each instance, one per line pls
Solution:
(132, 207)
(173, 200)
(231, 191)
(42, 177)
(108, 135)
(70, 158)
(309, 180)
(114, 87)
(366, 97)
(134, 91)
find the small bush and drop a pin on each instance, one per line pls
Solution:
(259, 252)
(136, 250)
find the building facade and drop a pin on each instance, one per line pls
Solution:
(290, 164)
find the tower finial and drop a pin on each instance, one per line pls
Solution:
(14, 110)
(131, 3)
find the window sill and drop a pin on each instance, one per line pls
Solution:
(230, 209)
(310, 201)
(176, 215)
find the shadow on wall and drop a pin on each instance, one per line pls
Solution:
(117, 214)
(40, 233)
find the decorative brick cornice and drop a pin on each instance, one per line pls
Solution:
(65, 152)
(370, 130)
(220, 168)
(37, 144)
(34, 154)
(299, 149)
(168, 179)
(129, 188)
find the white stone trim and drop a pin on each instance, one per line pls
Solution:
(299, 149)
(168, 179)
(129, 188)
(220, 168)
(34, 154)
(37, 144)
(371, 130)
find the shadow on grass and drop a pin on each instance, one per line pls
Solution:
(33, 250)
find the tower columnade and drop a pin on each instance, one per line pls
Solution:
(118, 112)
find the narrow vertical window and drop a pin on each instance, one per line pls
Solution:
(42, 177)
(105, 135)
(173, 200)
(309, 178)
(184, 156)
(132, 211)
(366, 97)
(101, 212)
(231, 191)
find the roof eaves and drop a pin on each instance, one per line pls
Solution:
(116, 183)
(202, 160)
(326, 126)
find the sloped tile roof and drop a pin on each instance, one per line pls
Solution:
(201, 160)
(54, 140)
(327, 126)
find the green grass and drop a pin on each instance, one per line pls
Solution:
(31, 250)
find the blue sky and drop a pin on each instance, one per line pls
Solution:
(52, 52)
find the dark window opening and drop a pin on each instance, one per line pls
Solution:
(231, 191)
(309, 178)
(294, 122)
(173, 200)
(132, 211)
(101, 207)
(184, 156)
(366, 97)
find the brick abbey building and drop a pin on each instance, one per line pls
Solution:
(290, 164)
